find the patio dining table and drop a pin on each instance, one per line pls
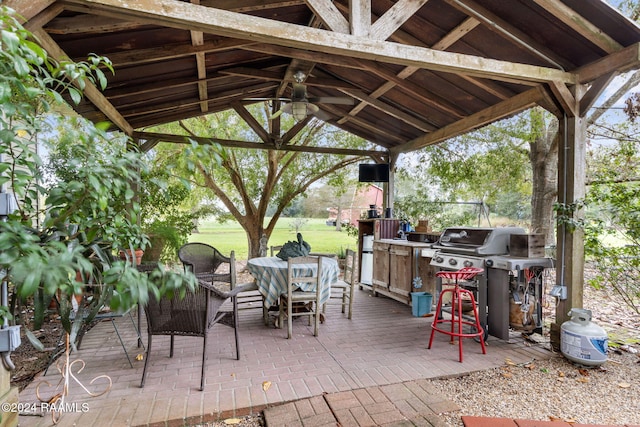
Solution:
(271, 277)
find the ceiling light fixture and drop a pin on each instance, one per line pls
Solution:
(299, 110)
(299, 76)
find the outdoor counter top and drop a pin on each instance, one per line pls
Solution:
(402, 242)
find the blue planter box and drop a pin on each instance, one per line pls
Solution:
(421, 303)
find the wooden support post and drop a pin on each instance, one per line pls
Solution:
(570, 244)
(389, 188)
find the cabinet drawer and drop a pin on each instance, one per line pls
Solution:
(399, 251)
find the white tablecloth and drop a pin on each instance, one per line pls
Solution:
(271, 276)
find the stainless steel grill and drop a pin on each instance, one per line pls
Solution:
(460, 247)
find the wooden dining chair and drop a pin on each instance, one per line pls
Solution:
(307, 303)
(344, 289)
(275, 249)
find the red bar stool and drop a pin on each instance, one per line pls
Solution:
(457, 292)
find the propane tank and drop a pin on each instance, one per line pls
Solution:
(581, 340)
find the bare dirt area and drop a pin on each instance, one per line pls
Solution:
(28, 360)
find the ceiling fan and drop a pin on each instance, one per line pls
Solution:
(300, 105)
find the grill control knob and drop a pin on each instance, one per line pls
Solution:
(453, 261)
(468, 263)
(439, 259)
(489, 263)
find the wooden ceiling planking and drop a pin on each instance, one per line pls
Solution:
(500, 21)
(455, 91)
(557, 35)
(406, 99)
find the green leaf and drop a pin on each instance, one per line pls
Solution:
(75, 94)
(35, 342)
(20, 66)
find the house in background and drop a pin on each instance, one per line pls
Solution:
(356, 205)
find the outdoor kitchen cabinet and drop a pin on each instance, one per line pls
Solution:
(395, 264)
(379, 228)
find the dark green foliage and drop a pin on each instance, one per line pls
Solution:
(70, 247)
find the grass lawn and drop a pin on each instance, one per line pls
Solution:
(230, 236)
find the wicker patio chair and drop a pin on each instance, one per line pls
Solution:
(208, 264)
(193, 316)
(307, 302)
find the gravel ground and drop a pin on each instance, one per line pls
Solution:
(557, 389)
(553, 389)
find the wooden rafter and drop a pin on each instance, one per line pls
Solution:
(28, 9)
(360, 17)
(223, 97)
(181, 139)
(496, 112)
(187, 16)
(330, 16)
(621, 61)
(90, 91)
(494, 23)
(252, 122)
(579, 24)
(393, 18)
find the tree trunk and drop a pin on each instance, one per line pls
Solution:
(254, 233)
(544, 162)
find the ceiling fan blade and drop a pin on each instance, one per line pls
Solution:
(267, 99)
(340, 100)
(312, 109)
(322, 115)
(278, 113)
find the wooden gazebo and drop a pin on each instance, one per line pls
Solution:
(402, 74)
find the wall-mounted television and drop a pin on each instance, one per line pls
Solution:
(373, 172)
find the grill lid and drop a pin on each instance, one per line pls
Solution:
(477, 241)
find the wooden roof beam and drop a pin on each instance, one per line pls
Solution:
(244, 6)
(182, 139)
(393, 18)
(227, 97)
(158, 54)
(251, 121)
(360, 17)
(277, 77)
(389, 136)
(90, 24)
(579, 24)
(117, 93)
(328, 13)
(90, 91)
(446, 41)
(178, 14)
(388, 109)
(488, 115)
(500, 26)
(26, 10)
(623, 60)
(431, 99)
